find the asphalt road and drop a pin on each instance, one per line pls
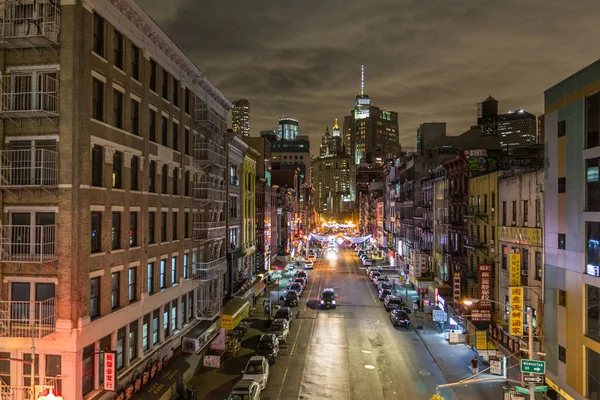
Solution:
(351, 352)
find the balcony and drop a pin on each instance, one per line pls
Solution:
(209, 230)
(28, 168)
(206, 118)
(208, 154)
(28, 243)
(206, 271)
(29, 95)
(210, 192)
(25, 319)
(30, 24)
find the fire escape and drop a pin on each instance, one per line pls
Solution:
(210, 195)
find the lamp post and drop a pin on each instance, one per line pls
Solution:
(469, 302)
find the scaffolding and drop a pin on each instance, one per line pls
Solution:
(210, 195)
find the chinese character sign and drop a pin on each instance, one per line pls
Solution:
(109, 371)
(481, 340)
(485, 285)
(516, 316)
(456, 287)
(515, 269)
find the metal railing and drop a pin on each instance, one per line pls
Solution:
(204, 116)
(206, 153)
(209, 191)
(209, 230)
(28, 167)
(28, 243)
(29, 95)
(22, 319)
(205, 271)
(30, 24)
(8, 392)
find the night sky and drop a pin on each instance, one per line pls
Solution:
(428, 60)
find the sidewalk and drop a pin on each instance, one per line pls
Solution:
(453, 359)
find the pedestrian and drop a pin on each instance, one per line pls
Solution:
(415, 308)
(474, 366)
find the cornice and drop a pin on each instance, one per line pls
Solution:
(142, 21)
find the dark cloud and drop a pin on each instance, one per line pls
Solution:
(430, 61)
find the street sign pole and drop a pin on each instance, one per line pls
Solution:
(530, 345)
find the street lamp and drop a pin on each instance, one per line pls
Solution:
(470, 302)
(50, 396)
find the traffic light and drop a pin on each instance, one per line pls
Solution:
(436, 397)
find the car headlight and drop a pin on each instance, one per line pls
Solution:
(322, 301)
(333, 302)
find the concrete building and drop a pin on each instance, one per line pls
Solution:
(571, 224)
(287, 155)
(333, 180)
(112, 175)
(433, 136)
(240, 117)
(288, 129)
(248, 188)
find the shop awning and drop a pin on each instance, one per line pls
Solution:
(258, 288)
(234, 312)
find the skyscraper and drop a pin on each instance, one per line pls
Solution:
(288, 129)
(369, 130)
(240, 117)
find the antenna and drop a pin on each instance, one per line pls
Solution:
(362, 79)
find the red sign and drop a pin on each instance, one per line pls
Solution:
(110, 371)
(456, 287)
(486, 285)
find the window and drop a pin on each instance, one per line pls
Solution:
(164, 129)
(88, 371)
(151, 227)
(119, 52)
(175, 134)
(562, 354)
(163, 279)
(153, 72)
(187, 100)
(538, 265)
(96, 231)
(152, 126)
(525, 212)
(116, 230)
(182, 311)
(562, 128)
(135, 62)
(514, 212)
(165, 85)
(538, 212)
(27, 370)
(504, 256)
(186, 139)
(120, 348)
(155, 326)
(175, 181)
(133, 229)
(593, 248)
(135, 173)
(562, 241)
(593, 184)
(117, 173)
(186, 183)
(98, 40)
(174, 226)
(562, 185)
(165, 179)
(593, 366)
(592, 120)
(166, 320)
(118, 109)
(190, 304)
(115, 289)
(176, 92)
(503, 213)
(163, 226)
(525, 260)
(152, 173)
(135, 117)
(94, 297)
(562, 298)
(150, 278)
(132, 284)
(173, 315)
(54, 370)
(133, 340)
(186, 225)
(97, 100)
(5, 367)
(485, 203)
(145, 331)
(97, 165)
(173, 271)
(186, 266)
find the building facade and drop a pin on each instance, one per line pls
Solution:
(240, 117)
(248, 187)
(288, 129)
(571, 206)
(333, 180)
(236, 153)
(287, 155)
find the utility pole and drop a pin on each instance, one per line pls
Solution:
(32, 357)
(530, 348)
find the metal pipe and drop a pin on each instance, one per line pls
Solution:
(530, 346)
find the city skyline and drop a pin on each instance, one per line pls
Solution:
(435, 66)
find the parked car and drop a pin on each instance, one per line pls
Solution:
(393, 303)
(399, 318)
(246, 389)
(301, 281)
(302, 274)
(379, 279)
(291, 299)
(328, 298)
(297, 287)
(285, 313)
(268, 345)
(383, 293)
(374, 274)
(384, 285)
(367, 262)
(257, 370)
(281, 328)
(309, 265)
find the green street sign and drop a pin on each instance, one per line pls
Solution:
(533, 367)
(541, 388)
(523, 390)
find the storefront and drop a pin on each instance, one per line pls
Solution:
(234, 312)
(258, 289)
(199, 338)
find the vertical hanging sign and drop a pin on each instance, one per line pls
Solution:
(109, 371)
(516, 313)
(456, 287)
(515, 269)
(485, 285)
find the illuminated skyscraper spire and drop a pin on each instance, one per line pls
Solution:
(362, 79)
